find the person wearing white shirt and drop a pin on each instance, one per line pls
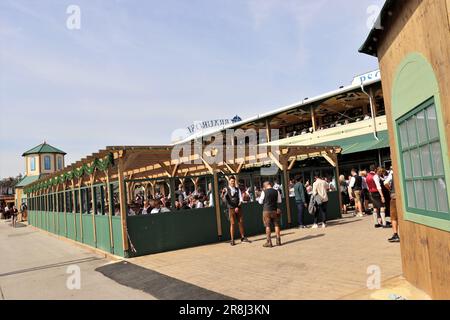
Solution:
(271, 199)
(320, 189)
(210, 195)
(147, 208)
(232, 196)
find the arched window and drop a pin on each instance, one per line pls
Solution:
(423, 164)
(33, 164)
(47, 163)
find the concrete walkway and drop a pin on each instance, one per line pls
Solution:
(33, 265)
(326, 263)
(329, 263)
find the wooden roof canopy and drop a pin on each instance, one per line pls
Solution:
(139, 162)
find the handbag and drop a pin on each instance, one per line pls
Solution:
(312, 206)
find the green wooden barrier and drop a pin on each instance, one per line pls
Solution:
(103, 239)
(71, 226)
(172, 230)
(117, 236)
(61, 224)
(88, 230)
(78, 226)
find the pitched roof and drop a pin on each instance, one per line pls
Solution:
(27, 180)
(43, 148)
(371, 44)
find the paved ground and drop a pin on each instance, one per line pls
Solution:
(312, 264)
(33, 265)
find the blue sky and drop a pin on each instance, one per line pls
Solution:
(137, 70)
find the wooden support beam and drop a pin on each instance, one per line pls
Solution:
(291, 165)
(286, 193)
(74, 210)
(110, 209)
(268, 131)
(210, 168)
(313, 119)
(275, 160)
(217, 204)
(123, 204)
(331, 158)
(80, 199)
(94, 206)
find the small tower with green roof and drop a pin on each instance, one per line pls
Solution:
(39, 161)
(43, 159)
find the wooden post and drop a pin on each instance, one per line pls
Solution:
(313, 119)
(80, 200)
(110, 209)
(268, 132)
(65, 208)
(74, 210)
(286, 192)
(57, 208)
(337, 186)
(217, 204)
(123, 204)
(92, 179)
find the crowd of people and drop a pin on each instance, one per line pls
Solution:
(161, 203)
(10, 211)
(358, 190)
(375, 187)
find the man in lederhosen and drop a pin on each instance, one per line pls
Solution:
(232, 197)
(270, 199)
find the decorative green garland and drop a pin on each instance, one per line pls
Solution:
(99, 164)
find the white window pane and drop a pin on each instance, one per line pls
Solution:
(407, 164)
(410, 193)
(430, 195)
(421, 128)
(441, 190)
(412, 134)
(404, 135)
(415, 157)
(433, 130)
(420, 194)
(426, 160)
(436, 154)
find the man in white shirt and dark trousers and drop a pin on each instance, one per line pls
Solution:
(270, 199)
(232, 197)
(320, 191)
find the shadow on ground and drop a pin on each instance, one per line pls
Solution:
(157, 284)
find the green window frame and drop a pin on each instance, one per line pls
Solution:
(423, 170)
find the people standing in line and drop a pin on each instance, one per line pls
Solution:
(270, 199)
(365, 195)
(320, 192)
(355, 190)
(232, 197)
(377, 197)
(382, 173)
(343, 189)
(300, 200)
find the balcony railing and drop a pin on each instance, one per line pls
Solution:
(339, 132)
